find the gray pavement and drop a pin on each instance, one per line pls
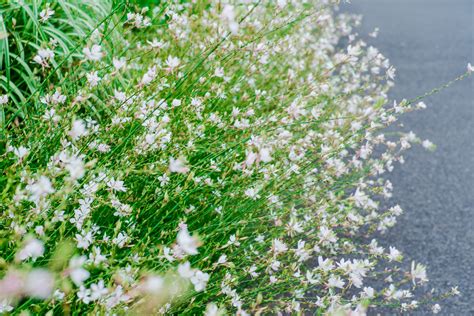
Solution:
(430, 43)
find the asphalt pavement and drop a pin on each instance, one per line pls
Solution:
(430, 43)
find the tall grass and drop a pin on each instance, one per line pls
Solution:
(25, 34)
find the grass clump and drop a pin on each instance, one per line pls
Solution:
(38, 41)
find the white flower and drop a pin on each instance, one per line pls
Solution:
(40, 188)
(20, 152)
(251, 158)
(96, 257)
(281, 3)
(335, 281)
(138, 20)
(5, 306)
(56, 98)
(178, 165)
(391, 73)
(265, 155)
(353, 50)
(275, 265)
(455, 291)
(78, 129)
(185, 271)
(222, 259)
(418, 271)
(375, 33)
(98, 290)
(312, 279)
(421, 105)
(186, 242)
(116, 297)
(213, 310)
(200, 280)
(119, 63)
(172, 63)
(116, 185)
(279, 246)
(154, 284)
(103, 148)
(470, 68)
(76, 272)
(50, 115)
(3, 99)
(327, 235)
(149, 76)
(46, 14)
(94, 53)
(84, 241)
(175, 103)
(325, 264)
(75, 166)
(167, 254)
(252, 193)
(219, 72)
(435, 308)
(33, 248)
(394, 254)
(164, 179)
(93, 78)
(368, 292)
(120, 96)
(43, 57)
(121, 240)
(233, 241)
(252, 271)
(228, 17)
(301, 252)
(39, 230)
(58, 295)
(39, 283)
(155, 43)
(84, 295)
(428, 145)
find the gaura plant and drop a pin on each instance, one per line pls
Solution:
(219, 157)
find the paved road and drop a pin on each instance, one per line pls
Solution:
(430, 43)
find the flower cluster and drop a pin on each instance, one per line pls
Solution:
(220, 157)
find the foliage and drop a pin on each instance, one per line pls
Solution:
(202, 157)
(38, 40)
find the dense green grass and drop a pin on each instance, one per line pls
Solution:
(23, 33)
(277, 131)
